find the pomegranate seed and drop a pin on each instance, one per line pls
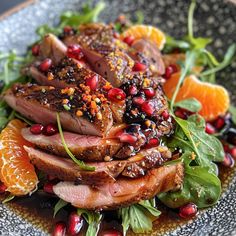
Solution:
(148, 108)
(219, 123)
(226, 147)
(210, 129)
(233, 152)
(48, 188)
(170, 70)
(35, 50)
(111, 232)
(133, 90)
(116, 35)
(74, 51)
(2, 188)
(165, 114)
(67, 29)
(36, 129)
(138, 100)
(138, 66)
(45, 65)
(181, 113)
(116, 94)
(153, 142)
(92, 82)
(228, 160)
(149, 92)
(129, 40)
(75, 223)
(128, 138)
(59, 229)
(188, 211)
(50, 129)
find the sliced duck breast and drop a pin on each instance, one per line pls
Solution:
(66, 169)
(124, 191)
(84, 147)
(41, 104)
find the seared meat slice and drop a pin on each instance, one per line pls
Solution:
(53, 48)
(116, 67)
(84, 147)
(79, 111)
(66, 169)
(67, 73)
(124, 191)
(147, 52)
(97, 40)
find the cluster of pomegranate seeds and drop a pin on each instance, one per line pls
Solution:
(149, 92)
(111, 232)
(75, 223)
(129, 40)
(138, 66)
(3, 188)
(36, 129)
(210, 129)
(48, 188)
(171, 69)
(45, 65)
(128, 138)
(116, 95)
(228, 160)
(147, 108)
(92, 82)
(74, 51)
(35, 50)
(188, 211)
(59, 229)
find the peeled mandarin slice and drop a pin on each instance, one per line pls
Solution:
(146, 31)
(214, 98)
(16, 171)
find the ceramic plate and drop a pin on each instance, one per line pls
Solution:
(214, 18)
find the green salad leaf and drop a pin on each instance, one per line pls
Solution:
(232, 110)
(200, 187)
(139, 217)
(93, 219)
(59, 205)
(191, 104)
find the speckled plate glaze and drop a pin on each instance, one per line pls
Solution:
(214, 18)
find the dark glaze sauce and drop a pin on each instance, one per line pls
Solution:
(38, 210)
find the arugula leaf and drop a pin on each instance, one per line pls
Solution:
(139, 217)
(59, 205)
(189, 63)
(200, 187)
(232, 110)
(46, 29)
(229, 55)
(80, 163)
(172, 43)
(93, 219)
(87, 15)
(191, 104)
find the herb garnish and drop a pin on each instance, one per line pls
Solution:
(59, 205)
(80, 163)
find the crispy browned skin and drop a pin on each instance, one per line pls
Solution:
(84, 147)
(41, 104)
(123, 192)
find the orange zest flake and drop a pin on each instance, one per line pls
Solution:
(93, 105)
(79, 113)
(107, 86)
(65, 101)
(99, 115)
(71, 91)
(146, 82)
(50, 76)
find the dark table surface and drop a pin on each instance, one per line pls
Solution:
(7, 4)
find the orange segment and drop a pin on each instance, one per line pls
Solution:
(214, 98)
(146, 31)
(16, 171)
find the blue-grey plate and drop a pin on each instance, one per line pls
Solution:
(214, 18)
